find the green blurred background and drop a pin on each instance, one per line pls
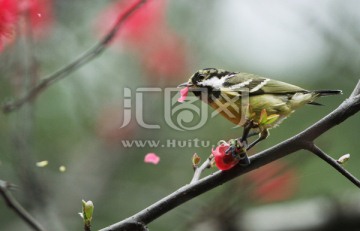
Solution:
(76, 122)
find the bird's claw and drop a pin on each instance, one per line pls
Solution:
(238, 150)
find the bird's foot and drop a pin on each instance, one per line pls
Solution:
(238, 150)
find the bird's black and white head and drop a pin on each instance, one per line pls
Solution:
(211, 78)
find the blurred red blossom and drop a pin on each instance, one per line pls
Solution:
(160, 50)
(183, 94)
(166, 60)
(224, 161)
(38, 13)
(8, 20)
(140, 26)
(273, 182)
(40, 16)
(152, 158)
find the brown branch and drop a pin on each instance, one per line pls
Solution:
(300, 141)
(328, 159)
(74, 65)
(18, 209)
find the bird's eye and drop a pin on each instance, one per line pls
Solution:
(198, 78)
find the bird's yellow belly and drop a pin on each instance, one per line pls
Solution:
(236, 111)
(231, 113)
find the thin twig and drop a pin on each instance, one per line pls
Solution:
(74, 65)
(19, 210)
(200, 169)
(328, 159)
(348, 108)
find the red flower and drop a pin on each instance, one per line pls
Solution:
(273, 182)
(279, 188)
(37, 12)
(183, 94)
(161, 52)
(166, 59)
(40, 15)
(141, 26)
(224, 161)
(152, 158)
(8, 20)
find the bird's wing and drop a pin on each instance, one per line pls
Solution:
(257, 85)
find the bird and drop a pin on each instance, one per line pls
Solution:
(251, 101)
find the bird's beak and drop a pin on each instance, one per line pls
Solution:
(187, 84)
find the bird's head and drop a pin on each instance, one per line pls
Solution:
(209, 77)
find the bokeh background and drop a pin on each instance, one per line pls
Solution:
(76, 122)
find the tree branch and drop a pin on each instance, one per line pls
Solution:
(19, 210)
(328, 159)
(74, 65)
(300, 141)
(356, 90)
(200, 169)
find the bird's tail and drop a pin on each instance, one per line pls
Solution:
(327, 92)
